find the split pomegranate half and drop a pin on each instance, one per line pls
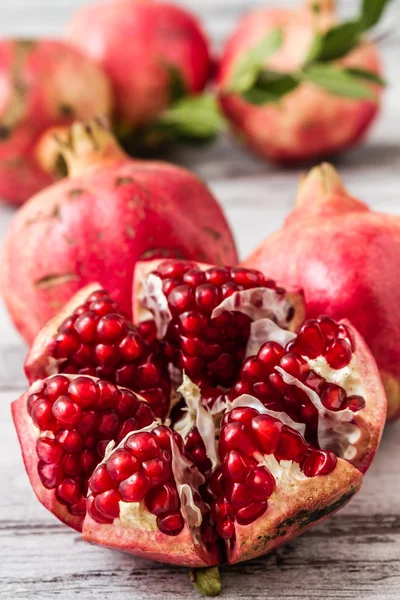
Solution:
(238, 425)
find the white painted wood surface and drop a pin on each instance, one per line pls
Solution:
(355, 554)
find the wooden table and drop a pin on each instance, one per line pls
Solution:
(353, 555)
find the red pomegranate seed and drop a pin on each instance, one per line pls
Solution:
(135, 487)
(78, 509)
(121, 465)
(181, 298)
(270, 355)
(108, 394)
(131, 347)
(319, 462)
(103, 306)
(66, 411)
(226, 529)
(143, 445)
(48, 451)
(311, 340)
(163, 435)
(338, 354)
(108, 423)
(260, 483)
(252, 369)
(239, 495)
(157, 470)
(107, 355)
(216, 483)
(236, 436)
(329, 327)
(354, 403)
(71, 464)
(171, 524)
(248, 278)
(192, 323)
(83, 391)
(89, 460)
(42, 415)
(162, 499)
(66, 344)
(128, 403)
(207, 297)
(101, 481)
(267, 432)
(86, 326)
(107, 504)
(251, 513)
(295, 366)
(194, 277)
(68, 491)
(95, 514)
(55, 387)
(111, 328)
(71, 441)
(221, 509)
(291, 445)
(237, 466)
(333, 396)
(242, 414)
(217, 276)
(50, 475)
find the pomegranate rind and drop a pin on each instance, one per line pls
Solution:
(150, 544)
(39, 364)
(27, 437)
(291, 513)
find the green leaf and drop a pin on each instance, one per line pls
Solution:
(177, 87)
(250, 65)
(196, 117)
(337, 81)
(338, 41)
(367, 75)
(207, 581)
(270, 87)
(371, 12)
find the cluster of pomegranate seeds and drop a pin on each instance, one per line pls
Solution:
(139, 471)
(77, 418)
(196, 451)
(98, 340)
(317, 338)
(241, 487)
(195, 342)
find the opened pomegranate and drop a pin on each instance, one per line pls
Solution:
(164, 54)
(44, 84)
(95, 225)
(91, 336)
(346, 258)
(307, 121)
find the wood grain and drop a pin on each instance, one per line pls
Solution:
(353, 555)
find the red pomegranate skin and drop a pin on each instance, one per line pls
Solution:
(94, 226)
(346, 258)
(309, 123)
(156, 37)
(43, 84)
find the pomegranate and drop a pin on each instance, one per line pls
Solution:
(94, 226)
(43, 84)
(308, 122)
(345, 257)
(165, 53)
(91, 336)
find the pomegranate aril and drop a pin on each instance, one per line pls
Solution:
(121, 465)
(107, 504)
(70, 440)
(103, 306)
(248, 278)
(111, 328)
(237, 466)
(173, 268)
(239, 495)
(216, 483)
(260, 483)
(107, 355)
(101, 481)
(192, 323)
(131, 347)
(95, 514)
(42, 415)
(295, 366)
(354, 403)
(89, 460)
(108, 423)
(226, 528)
(252, 369)
(71, 464)
(333, 396)
(48, 450)
(163, 435)
(143, 445)
(134, 488)
(319, 462)
(108, 394)
(162, 499)
(128, 403)
(251, 513)
(79, 508)
(338, 354)
(50, 475)
(171, 524)
(230, 288)
(221, 509)
(207, 297)
(66, 411)
(55, 387)
(181, 298)
(194, 277)
(68, 491)
(86, 326)
(311, 341)
(157, 470)
(291, 445)
(236, 436)
(267, 431)
(270, 355)
(144, 414)
(193, 346)
(66, 344)
(217, 276)
(329, 327)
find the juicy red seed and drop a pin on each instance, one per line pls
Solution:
(237, 466)
(242, 414)
(157, 470)
(240, 388)
(252, 369)
(192, 365)
(230, 288)
(148, 375)
(251, 513)
(50, 475)
(42, 415)
(131, 347)
(329, 327)
(171, 524)
(71, 441)
(121, 465)
(291, 445)
(270, 355)
(79, 508)
(260, 483)
(97, 295)
(89, 460)
(72, 465)
(143, 445)
(338, 354)
(311, 339)
(173, 268)
(216, 483)
(108, 394)
(101, 481)
(239, 495)
(144, 414)
(226, 529)
(267, 432)
(194, 277)
(134, 488)
(66, 344)
(48, 450)
(220, 510)
(181, 298)
(107, 504)
(103, 306)
(207, 297)
(107, 355)
(168, 285)
(68, 491)
(247, 277)
(108, 422)
(86, 326)
(55, 387)
(236, 436)
(128, 426)
(162, 499)
(95, 514)
(295, 366)
(319, 462)
(111, 328)
(193, 439)
(66, 411)
(217, 276)
(354, 403)
(193, 346)
(333, 396)
(148, 331)
(128, 403)
(192, 323)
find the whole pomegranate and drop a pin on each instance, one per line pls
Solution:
(308, 122)
(298, 419)
(43, 84)
(94, 226)
(164, 53)
(346, 258)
